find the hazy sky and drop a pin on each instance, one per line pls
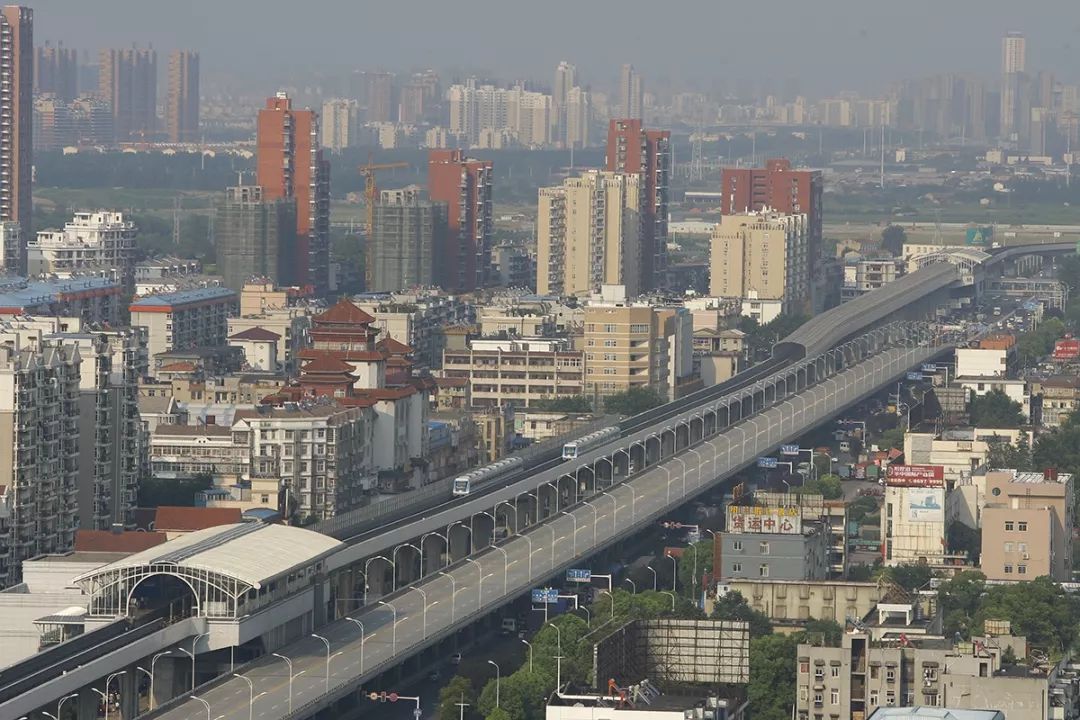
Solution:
(829, 45)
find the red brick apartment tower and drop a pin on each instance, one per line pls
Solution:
(290, 164)
(465, 185)
(632, 149)
(779, 187)
(16, 112)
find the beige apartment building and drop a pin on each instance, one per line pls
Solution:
(289, 324)
(588, 234)
(1027, 526)
(92, 242)
(627, 346)
(517, 372)
(791, 603)
(184, 320)
(761, 254)
(868, 672)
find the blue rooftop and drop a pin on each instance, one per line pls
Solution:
(20, 293)
(184, 296)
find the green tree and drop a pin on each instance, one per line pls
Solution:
(860, 572)
(1040, 610)
(1004, 454)
(828, 486)
(633, 401)
(155, 492)
(862, 506)
(962, 539)
(822, 632)
(771, 690)
(909, 577)
(696, 561)
(891, 438)
(995, 409)
(733, 606)
(960, 597)
(893, 238)
(570, 404)
(457, 689)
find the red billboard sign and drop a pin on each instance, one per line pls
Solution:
(916, 475)
(1067, 349)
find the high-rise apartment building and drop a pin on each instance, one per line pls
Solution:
(340, 122)
(256, 236)
(127, 80)
(380, 97)
(631, 95)
(565, 78)
(99, 243)
(290, 164)
(406, 232)
(778, 188)
(647, 153)
(1013, 82)
(11, 246)
(629, 347)
(465, 185)
(1027, 526)
(16, 116)
(588, 234)
(182, 112)
(39, 418)
(578, 117)
(761, 255)
(56, 72)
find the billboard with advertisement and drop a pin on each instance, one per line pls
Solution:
(784, 520)
(925, 505)
(1067, 349)
(916, 476)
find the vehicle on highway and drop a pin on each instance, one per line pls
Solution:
(575, 448)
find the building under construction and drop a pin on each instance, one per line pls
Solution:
(407, 232)
(255, 237)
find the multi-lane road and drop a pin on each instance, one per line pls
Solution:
(398, 625)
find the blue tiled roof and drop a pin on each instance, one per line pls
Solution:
(184, 296)
(17, 292)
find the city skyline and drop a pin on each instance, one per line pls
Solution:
(706, 43)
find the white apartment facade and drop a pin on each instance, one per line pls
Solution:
(101, 242)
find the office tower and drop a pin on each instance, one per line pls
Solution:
(380, 97)
(1013, 66)
(761, 255)
(578, 117)
(340, 122)
(779, 188)
(290, 164)
(588, 234)
(183, 108)
(54, 126)
(465, 185)
(632, 149)
(17, 116)
(56, 72)
(127, 79)
(630, 94)
(255, 236)
(565, 78)
(39, 418)
(407, 231)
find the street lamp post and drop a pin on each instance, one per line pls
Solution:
(153, 662)
(480, 583)
(445, 540)
(360, 625)
(393, 628)
(574, 519)
(595, 518)
(529, 645)
(367, 563)
(674, 570)
(251, 694)
(528, 539)
(653, 571)
(394, 556)
(453, 595)
(498, 678)
(665, 592)
(608, 593)
(423, 613)
(291, 676)
(506, 566)
(192, 656)
(633, 585)
(204, 703)
(329, 657)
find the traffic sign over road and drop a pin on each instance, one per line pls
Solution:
(578, 575)
(766, 462)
